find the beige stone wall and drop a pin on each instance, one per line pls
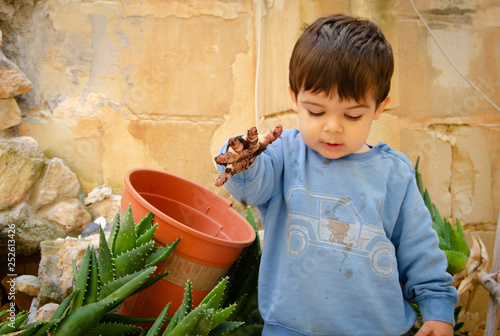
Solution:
(124, 84)
(445, 120)
(162, 83)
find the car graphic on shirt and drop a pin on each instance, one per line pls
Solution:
(335, 223)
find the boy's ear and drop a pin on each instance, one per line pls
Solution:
(380, 108)
(294, 99)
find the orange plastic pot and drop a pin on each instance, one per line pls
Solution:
(213, 237)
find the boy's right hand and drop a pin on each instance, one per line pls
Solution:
(243, 150)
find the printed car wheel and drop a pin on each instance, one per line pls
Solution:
(297, 241)
(382, 259)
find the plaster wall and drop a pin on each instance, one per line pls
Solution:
(161, 84)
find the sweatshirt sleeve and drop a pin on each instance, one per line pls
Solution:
(262, 180)
(422, 264)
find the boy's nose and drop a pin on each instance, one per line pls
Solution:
(333, 125)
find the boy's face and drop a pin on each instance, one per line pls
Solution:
(332, 127)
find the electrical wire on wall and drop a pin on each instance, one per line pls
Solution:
(257, 66)
(450, 60)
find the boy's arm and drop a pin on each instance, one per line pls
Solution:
(421, 263)
(243, 150)
(435, 328)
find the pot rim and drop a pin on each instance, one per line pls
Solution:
(164, 217)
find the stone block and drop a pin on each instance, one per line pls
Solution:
(10, 114)
(434, 151)
(29, 227)
(49, 250)
(476, 175)
(427, 68)
(50, 293)
(58, 182)
(217, 41)
(82, 153)
(45, 312)
(386, 129)
(28, 284)
(70, 214)
(107, 208)
(56, 268)
(72, 250)
(98, 194)
(13, 82)
(21, 163)
(171, 153)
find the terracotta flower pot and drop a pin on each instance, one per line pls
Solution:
(213, 237)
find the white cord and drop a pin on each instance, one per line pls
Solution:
(450, 60)
(257, 67)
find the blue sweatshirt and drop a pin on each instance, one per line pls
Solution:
(348, 242)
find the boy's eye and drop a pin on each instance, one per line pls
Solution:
(350, 117)
(315, 114)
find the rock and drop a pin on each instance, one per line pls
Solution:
(72, 250)
(472, 323)
(21, 164)
(23, 301)
(70, 214)
(59, 182)
(29, 229)
(13, 82)
(28, 284)
(49, 273)
(47, 269)
(107, 208)
(10, 114)
(50, 293)
(38, 203)
(45, 312)
(97, 194)
(9, 133)
(56, 267)
(90, 229)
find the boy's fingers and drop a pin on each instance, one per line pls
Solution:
(223, 177)
(252, 134)
(233, 169)
(220, 181)
(236, 143)
(226, 158)
(272, 135)
(246, 149)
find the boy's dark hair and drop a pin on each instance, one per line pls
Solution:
(344, 55)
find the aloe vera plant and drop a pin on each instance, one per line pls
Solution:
(227, 308)
(451, 240)
(123, 266)
(11, 326)
(207, 319)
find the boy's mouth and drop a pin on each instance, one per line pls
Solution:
(332, 146)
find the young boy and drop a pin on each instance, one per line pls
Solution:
(348, 241)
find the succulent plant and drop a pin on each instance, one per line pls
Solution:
(123, 266)
(207, 319)
(451, 240)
